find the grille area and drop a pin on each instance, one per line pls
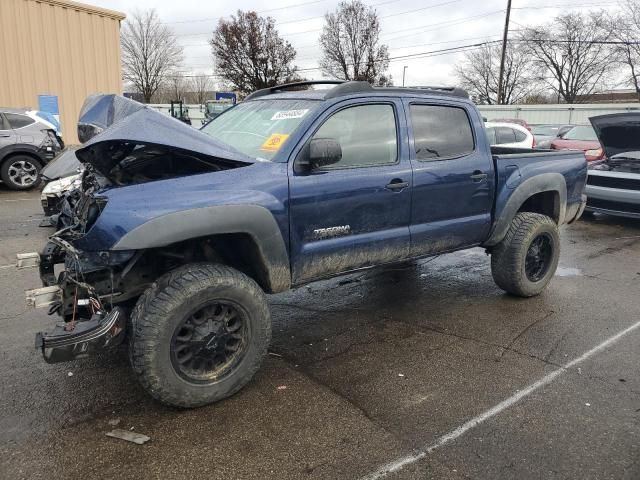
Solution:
(612, 182)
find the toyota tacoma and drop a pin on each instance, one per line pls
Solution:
(176, 235)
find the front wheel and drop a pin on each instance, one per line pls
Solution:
(20, 172)
(199, 334)
(526, 259)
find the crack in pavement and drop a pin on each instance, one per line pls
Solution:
(525, 330)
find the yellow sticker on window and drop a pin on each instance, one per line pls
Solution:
(274, 142)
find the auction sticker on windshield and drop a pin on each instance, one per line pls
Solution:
(287, 114)
(274, 142)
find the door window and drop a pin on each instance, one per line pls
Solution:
(505, 135)
(366, 133)
(4, 125)
(18, 121)
(441, 132)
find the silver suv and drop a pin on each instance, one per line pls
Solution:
(26, 145)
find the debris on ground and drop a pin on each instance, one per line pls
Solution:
(114, 422)
(70, 374)
(134, 437)
(401, 374)
(282, 387)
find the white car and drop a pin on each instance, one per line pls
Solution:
(509, 135)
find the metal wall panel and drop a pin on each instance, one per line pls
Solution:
(555, 114)
(58, 47)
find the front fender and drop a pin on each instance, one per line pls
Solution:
(254, 220)
(546, 182)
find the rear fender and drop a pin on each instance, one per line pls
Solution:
(546, 182)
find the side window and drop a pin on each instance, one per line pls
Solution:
(505, 135)
(441, 132)
(520, 136)
(18, 121)
(367, 135)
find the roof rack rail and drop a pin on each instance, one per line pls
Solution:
(286, 86)
(453, 91)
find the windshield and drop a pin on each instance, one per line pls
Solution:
(581, 132)
(547, 130)
(259, 128)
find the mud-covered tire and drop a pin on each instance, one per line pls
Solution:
(20, 172)
(509, 257)
(163, 308)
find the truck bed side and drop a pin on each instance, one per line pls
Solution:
(543, 181)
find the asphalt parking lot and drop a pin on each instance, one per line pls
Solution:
(427, 368)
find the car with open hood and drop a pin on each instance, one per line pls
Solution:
(176, 235)
(613, 185)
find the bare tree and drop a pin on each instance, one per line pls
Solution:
(150, 52)
(625, 29)
(200, 87)
(250, 54)
(478, 73)
(350, 43)
(572, 55)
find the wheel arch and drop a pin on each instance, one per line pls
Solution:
(545, 194)
(17, 149)
(247, 237)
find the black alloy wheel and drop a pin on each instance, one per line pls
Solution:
(539, 256)
(210, 342)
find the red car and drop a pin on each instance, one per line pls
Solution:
(580, 137)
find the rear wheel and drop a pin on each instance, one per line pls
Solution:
(199, 334)
(526, 259)
(20, 172)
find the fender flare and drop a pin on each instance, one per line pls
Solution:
(546, 182)
(254, 220)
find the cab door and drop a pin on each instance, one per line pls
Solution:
(453, 181)
(354, 213)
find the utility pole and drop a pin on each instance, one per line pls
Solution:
(504, 53)
(404, 70)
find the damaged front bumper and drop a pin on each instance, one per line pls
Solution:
(87, 325)
(102, 331)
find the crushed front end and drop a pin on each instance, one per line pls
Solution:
(85, 289)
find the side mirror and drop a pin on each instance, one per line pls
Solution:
(324, 151)
(318, 153)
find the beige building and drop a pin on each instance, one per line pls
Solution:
(58, 48)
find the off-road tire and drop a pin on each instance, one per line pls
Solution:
(164, 306)
(6, 177)
(508, 257)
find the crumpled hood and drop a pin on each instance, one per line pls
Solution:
(111, 126)
(64, 165)
(618, 133)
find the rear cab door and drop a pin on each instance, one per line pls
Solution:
(453, 176)
(355, 213)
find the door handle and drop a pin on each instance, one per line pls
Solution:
(478, 176)
(4, 135)
(396, 185)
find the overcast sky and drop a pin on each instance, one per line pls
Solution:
(408, 27)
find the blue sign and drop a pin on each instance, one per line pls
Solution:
(49, 104)
(226, 96)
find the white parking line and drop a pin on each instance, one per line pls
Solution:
(402, 462)
(18, 200)
(7, 266)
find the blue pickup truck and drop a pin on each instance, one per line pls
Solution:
(176, 234)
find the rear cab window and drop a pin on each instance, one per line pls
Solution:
(441, 132)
